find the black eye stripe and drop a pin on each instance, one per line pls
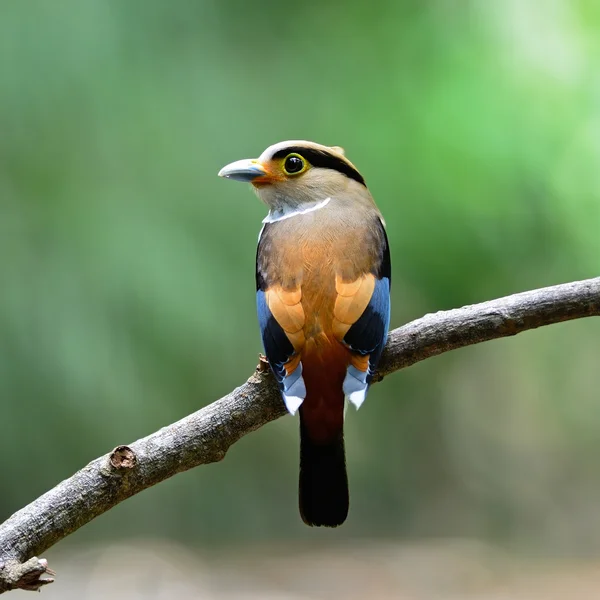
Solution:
(322, 159)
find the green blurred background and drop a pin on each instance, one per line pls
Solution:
(127, 266)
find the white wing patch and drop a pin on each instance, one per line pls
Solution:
(357, 398)
(292, 403)
(294, 390)
(355, 386)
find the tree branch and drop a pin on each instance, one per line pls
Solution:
(205, 436)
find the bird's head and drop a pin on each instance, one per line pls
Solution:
(289, 175)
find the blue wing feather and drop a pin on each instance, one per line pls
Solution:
(278, 347)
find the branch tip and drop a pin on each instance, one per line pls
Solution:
(24, 576)
(263, 363)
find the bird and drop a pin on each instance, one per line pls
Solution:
(323, 278)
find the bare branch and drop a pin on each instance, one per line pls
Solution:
(205, 436)
(440, 332)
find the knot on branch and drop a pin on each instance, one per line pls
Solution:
(122, 457)
(24, 576)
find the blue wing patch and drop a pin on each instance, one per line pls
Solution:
(279, 350)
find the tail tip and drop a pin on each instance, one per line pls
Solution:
(329, 521)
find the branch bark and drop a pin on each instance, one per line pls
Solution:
(205, 436)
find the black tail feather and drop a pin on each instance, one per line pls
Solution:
(323, 492)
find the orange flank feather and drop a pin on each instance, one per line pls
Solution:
(286, 307)
(360, 361)
(352, 299)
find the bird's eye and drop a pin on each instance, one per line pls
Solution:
(294, 164)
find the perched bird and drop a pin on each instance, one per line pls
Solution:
(323, 299)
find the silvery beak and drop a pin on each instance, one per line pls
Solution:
(243, 170)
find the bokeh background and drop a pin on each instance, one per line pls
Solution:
(127, 284)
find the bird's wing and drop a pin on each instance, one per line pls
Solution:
(281, 320)
(361, 321)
